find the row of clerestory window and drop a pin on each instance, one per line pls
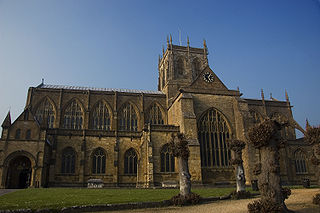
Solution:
(73, 117)
(99, 158)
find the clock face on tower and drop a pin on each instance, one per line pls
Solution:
(208, 77)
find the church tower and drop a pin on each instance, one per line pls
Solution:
(179, 66)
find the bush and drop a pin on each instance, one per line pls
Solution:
(190, 199)
(264, 206)
(316, 199)
(240, 195)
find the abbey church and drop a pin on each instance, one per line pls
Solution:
(67, 135)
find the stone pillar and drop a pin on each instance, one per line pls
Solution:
(82, 167)
(116, 163)
(150, 180)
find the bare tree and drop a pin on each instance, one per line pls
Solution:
(179, 148)
(266, 137)
(312, 135)
(236, 147)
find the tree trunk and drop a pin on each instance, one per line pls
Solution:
(185, 184)
(269, 179)
(240, 178)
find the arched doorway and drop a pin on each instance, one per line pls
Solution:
(19, 173)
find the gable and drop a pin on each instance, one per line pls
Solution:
(200, 83)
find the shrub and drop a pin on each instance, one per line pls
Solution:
(190, 199)
(316, 199)
(264, 206)
(240, 195)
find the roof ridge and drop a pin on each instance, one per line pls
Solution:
(51, 86)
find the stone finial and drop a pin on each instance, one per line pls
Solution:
(162, 51)
(188, 43)
(7, 121)
(287, 97)
(159, 60)
(170, 40)
(262, 94)
(204, 44)
(167, 41)
(307, 123)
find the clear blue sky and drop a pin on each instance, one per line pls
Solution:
(253, 44)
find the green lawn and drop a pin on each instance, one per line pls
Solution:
(56, 198)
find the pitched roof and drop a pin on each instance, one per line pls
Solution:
(47, 86)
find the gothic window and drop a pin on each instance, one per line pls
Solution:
(28, 134)
(101, 117)
(213, 132)
(179, 67)
(195, 68)
(130, 162)
(281, 119)
(128, 120)
(73, 117)
(167, 159)
(68, 161)
(45, 111)
(257, 118)
(99, 162)
(18, 133)
(154, 115)
(300, 162)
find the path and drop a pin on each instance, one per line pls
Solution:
(300, 201)
(6, 191)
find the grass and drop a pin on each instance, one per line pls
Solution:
(57, 198)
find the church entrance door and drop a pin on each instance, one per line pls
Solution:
(19, 173)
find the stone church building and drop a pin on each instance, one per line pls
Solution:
(67, 135)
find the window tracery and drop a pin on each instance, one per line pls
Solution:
(45, 111)
(101, 117)
(154, 115)
(73, 116)
(68, 161)
(99, 162)
(213, 132)
(128, 120)
(167, 159)
(300, 162)
(130, 162)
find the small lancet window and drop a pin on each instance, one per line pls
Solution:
(300, 162)
(28, 134)
(18, 134)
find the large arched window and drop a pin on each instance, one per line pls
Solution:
(98, 162)
(154, 115)
(101, 117)
(213, 132)
(68, 161)
(167, 159)
(128, 120)
(130, 162)
(300, 162)
(195, 68)
(45, 111)
(73, 116)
